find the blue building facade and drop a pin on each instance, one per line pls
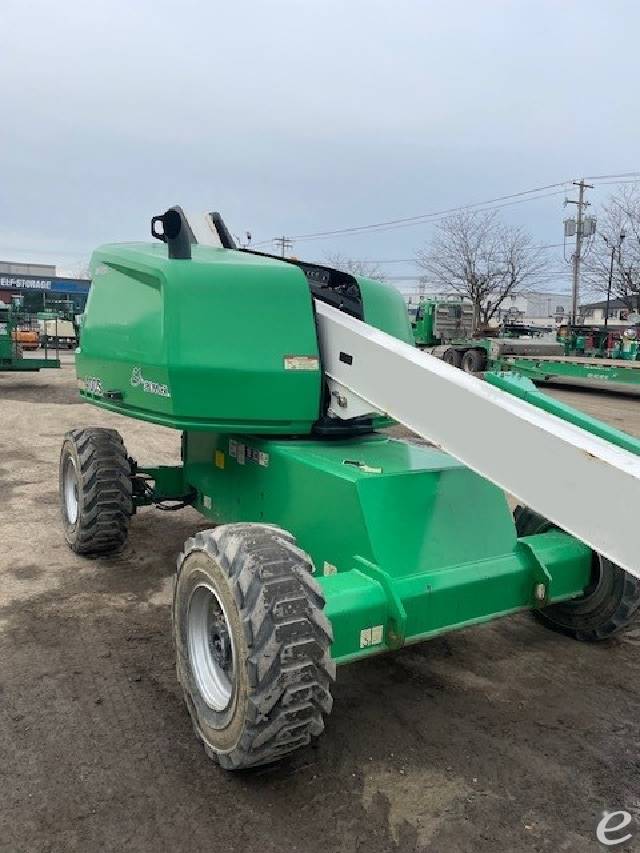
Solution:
(39, 292)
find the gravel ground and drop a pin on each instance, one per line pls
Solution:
(500, 737)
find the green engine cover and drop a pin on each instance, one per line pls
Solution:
(224, 341)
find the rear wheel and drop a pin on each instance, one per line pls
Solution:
(95, 490)
(608, 606)
(252, 644)
(474, 361)
(452, 356)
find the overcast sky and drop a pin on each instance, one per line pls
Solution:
(294, 116)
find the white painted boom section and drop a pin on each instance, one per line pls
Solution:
(582, 483)
(203, 229)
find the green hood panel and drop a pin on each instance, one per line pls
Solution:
(224, 341)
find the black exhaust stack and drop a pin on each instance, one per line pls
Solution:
(176, 233)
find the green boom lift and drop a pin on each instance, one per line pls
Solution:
(12, 358)
(331, 541)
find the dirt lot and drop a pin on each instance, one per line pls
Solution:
(500, 737)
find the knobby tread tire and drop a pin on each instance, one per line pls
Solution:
(609, 609)
(104, 490)
(286, 641)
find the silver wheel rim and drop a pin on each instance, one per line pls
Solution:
(70, 489)
(211, 649)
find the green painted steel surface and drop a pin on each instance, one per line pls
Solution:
(385, 309)
(522, 387)
(547, 370)
(29, 365)
(223, 341)
(423, 330)
(7, 347)
(406, 542)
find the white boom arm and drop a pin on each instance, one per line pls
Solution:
(582, 483)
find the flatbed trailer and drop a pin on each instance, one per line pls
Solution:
(594, 372)
(541, 362)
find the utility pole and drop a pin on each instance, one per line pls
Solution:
(577, 255)
(284, 243)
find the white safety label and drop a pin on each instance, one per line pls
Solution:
(243, 453)
(301, 362)
(371, 636)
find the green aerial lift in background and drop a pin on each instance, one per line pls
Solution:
(332, 541)
(12, 321)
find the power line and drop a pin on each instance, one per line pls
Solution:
(419, 219)
(480, 206)
(603, 177)
(618, 183)
(434, 218)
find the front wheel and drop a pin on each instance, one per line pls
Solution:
(252, 644)
(95, 490)
(609, 605)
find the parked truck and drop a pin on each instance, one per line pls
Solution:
(578, 355)
(58, 332)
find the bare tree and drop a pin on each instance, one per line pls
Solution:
(81, 269)
(366, 269)
(619, 216)
(475, 256)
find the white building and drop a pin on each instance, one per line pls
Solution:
(593, 313)
(534, 308)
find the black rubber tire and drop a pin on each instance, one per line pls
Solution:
(452, 356)
(103, 490)
(280, 636)
(474, 361)
(609, 606)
